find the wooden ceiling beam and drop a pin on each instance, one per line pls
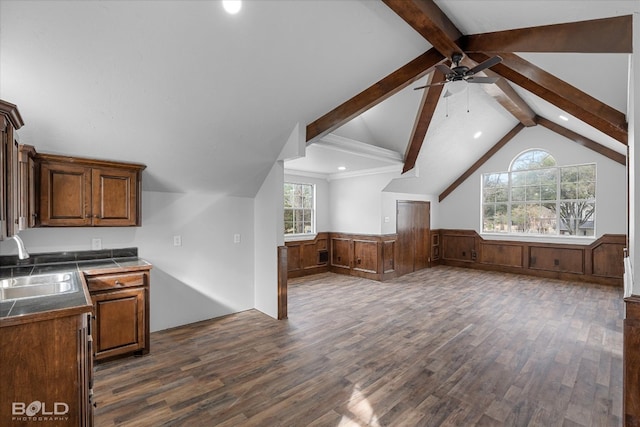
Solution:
(584, 141)
(426, 18)
(374, 95)
(561, 94)
(608, 35)
(428, 106)
(493, 150)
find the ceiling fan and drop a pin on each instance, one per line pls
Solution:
(459, 75)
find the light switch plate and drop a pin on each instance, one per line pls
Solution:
(96, 244)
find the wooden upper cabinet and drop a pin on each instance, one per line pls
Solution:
(83, 192)
(27, 187)
(114, 197)
(10, 121)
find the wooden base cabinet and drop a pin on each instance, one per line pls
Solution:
(47, 378)
(121, 307)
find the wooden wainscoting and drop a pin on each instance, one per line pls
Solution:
(306, 257)
(600, 262)
(368, 256)
(631, 361)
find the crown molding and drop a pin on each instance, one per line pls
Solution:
(352, 146)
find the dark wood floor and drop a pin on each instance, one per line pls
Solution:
(442, 346)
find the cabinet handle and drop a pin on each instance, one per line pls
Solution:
(118, 283)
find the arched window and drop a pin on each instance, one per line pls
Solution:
(538, 197)
(532, 159)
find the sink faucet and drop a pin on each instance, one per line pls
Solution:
(22, 252)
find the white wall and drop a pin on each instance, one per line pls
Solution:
(461, 209)
(356, 203)
(269, 234)
(323, 202)
(208, 276)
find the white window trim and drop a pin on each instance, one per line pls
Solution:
(304, 236)
(542, 238)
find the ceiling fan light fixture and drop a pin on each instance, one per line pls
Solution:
(456, 86)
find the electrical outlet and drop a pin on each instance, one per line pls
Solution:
(96, 244)
(177, 240)
(236, 238)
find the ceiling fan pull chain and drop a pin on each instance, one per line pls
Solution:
(468, 90)
(446, 100)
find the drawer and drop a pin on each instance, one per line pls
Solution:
(115, 281)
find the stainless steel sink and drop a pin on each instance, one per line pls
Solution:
(37, 286)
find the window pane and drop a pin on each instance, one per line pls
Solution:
(533, 159)
(569, 174)
(518, 218)
(518, 194)
(548, 177)
(533, 193)
(518, 178)
(298, 208)
(548, 192)
(568, 191)
(577, 218)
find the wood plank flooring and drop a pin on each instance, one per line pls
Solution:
(439, 347)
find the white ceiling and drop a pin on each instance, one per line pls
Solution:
(207, 100)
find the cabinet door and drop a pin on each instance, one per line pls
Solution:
(27, 190)
(114, 197)
(65, 194)
(119, 324)
(3, 176)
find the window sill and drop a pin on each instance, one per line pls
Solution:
(567, 240)
(299, 237)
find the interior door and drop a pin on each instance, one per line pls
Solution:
(413, 220)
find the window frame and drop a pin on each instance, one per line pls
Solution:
(312, 209)
(504, 184)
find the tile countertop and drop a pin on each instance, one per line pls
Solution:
(76, 263)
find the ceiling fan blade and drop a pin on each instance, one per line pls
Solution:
(433, 84)
(444, 69)
(482, 79)
(484, 65)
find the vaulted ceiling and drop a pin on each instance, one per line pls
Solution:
(207, 100)
(611, 35)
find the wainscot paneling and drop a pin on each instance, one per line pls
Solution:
(305, 257)
(369, 256)
(631, 361)
(599, 262)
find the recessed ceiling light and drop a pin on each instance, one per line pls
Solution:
(342, 168)
(565, 118)
(477, 135)
(232, 6)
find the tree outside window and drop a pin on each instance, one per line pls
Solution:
(537, 197)
(299, 215)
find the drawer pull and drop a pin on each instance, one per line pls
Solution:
(118, 283)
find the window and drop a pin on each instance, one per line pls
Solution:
(537, 197)
(299, 209)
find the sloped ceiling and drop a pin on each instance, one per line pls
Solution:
(449, 147)
(207, 99)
